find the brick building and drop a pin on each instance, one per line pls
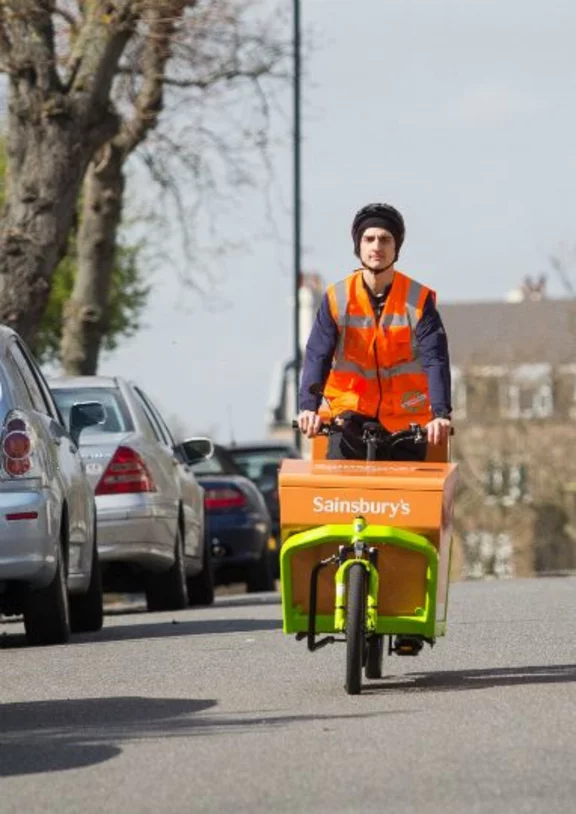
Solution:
(514, 399)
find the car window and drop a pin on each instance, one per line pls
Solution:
(38, 399)
(259, 464)
(3, 392)
(219, 464)
(118, 418)
(12, 374)
(209, 466)
(149, 418)
(159, 421)
(42, 385)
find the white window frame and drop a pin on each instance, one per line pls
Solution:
(537, 377)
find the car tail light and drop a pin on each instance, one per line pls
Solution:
(17, 447)
(224, 498)
(125, 474)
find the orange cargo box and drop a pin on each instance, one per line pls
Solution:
(413, 496)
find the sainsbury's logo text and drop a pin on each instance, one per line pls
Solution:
(371, 507)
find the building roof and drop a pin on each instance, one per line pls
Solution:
(504, 333)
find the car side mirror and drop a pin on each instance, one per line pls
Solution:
(85, 414)
(196, 449)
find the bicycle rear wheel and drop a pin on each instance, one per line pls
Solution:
(355, 627)
(374, 655)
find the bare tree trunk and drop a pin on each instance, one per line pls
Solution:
(86, 313)
(85, 316)
(55, 126)
(46, 160)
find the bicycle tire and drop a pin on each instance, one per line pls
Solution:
(355, 627)
(374, 656)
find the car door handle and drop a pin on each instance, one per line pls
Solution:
(57, 440)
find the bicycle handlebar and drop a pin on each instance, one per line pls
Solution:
(414, 433)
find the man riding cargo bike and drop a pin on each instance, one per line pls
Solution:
(378, 357)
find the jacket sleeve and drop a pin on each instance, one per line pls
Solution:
(318, 356)
(433, 346)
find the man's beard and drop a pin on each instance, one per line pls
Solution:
(377, 271)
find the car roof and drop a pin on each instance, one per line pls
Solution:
(6, 332)
(77, 382)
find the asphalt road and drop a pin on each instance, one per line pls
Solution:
(214, 710)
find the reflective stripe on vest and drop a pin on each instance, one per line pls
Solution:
(342, 365)
(364, 378)
(407, 320)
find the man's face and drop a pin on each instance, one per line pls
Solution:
(377, 248)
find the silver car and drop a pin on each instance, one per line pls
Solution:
(151, 530)
(49, 569)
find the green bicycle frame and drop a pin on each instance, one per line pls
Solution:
(422, 623)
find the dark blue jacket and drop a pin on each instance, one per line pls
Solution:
(432, 346)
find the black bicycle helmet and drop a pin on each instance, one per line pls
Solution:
(382, 215)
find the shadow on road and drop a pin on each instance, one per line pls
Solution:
(137, 604)
(452, 680)
(178, 627)
(51, 736)
(165, 628)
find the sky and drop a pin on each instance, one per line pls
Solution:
(463, 115)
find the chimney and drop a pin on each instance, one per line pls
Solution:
(534, 290)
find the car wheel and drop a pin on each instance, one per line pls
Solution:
(260, 577)
(201, 586)
(168, 591)
(86, 610)
(46, 610)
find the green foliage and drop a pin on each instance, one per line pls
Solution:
(128, 294)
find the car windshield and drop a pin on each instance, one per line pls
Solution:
(219, 464)
(259, 464)
(118, 418)
(209, 466)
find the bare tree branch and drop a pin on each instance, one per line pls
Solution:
(67, 16)
(561, 270)
(96, 54)
(161, 22)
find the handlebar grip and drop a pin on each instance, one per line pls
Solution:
(450, 433)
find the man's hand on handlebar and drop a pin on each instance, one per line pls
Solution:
(438, 430)
(309, 423)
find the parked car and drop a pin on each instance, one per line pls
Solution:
(49, 569)
(150, 507)
(260, 461)
(239, 525)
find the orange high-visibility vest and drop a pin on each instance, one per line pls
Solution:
(376, 370)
